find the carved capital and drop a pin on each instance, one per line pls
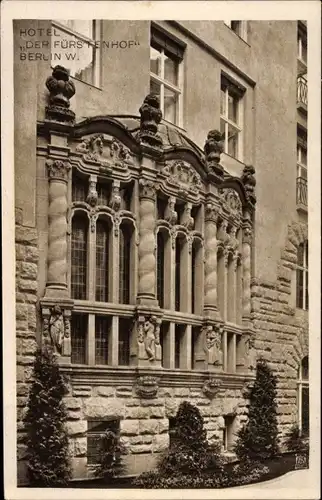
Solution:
(147, 189)
(147, 387)
(211, 212)
(61, 90)
(58, 170)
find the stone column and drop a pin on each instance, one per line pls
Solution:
(185, 278)
(225, 284)
(147, 271)
(169, 347)
(210, 300)
(58, 171)
(185, 349)
(91, 340)
(113, 342)
(247, 238)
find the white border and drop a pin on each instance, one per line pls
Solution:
(147, 10)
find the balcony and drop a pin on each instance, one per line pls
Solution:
(301, 194)
(302, 93)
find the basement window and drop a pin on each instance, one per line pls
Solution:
(95, 434)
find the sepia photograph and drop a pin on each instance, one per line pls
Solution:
(162, 297)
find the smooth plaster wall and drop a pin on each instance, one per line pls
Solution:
(273, 58)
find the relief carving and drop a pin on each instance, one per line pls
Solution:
(147, 387)
(213, 345)
(231, 203)
(211, 387)
(149, 334)
(171, 215)
(92, 148)
(181, 178)
(116, 200)
(187, 221)
(120, 153)
(92, 194)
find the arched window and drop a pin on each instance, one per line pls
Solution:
(79, 257)
(160, 268)
(303, 397)
(302, 277)
(125, 252)
(102, 266)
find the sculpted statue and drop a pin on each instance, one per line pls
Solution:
(213, 346)
(56, 328)
(151, 336)
(170, 214)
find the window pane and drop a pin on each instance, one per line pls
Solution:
(307, 291)
(299, 288)
(155, 88)
(170, 105)
(170, 70)
(177, 274)
(78, 338)
(79, 258)
(102, 243)
(305, 368)
(300, 255)
(305, 411)
(124, 341)
(103, 194)
(223, 102)
(155, 61)
(232, 141)
(160, 268)
(125, 249)
(74, 53)
(232, 108)
(84, 27)
(79, 189)
(223, 129)
(178, 333)
(101, 340)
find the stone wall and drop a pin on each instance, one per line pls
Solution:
(26, 321)
(144, 423)
(281, 329)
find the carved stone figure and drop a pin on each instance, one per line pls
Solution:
(188, 221)
(214, 147)
(61, 90)
(149, 328)
(92, 148)
(249, 181)
(57, 328)
(181, 179)
(92, 194)
(119, 152)
(116, 200)
(213, 345)
(170, 214)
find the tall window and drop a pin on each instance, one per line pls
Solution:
(160, 268)
(238, 27)
(166, 56)
(125, 251)
(79, 257)
(178, 273)
(231, 118)
(125, 326)
(302, 46)
(78, 338)
(179, 331)
(96, 429)
(302, 277)
(102, 267)
(75, 45)
(102, 327)
(303, 397)
(301, 181)
(193, 279)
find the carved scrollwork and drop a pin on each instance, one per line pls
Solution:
(211, 387)
(180, 178)
(147, 386)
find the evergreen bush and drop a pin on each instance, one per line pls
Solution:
(257, 439)
(295, 442)
(48, 462)
(111, 456)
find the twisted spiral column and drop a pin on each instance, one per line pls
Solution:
(57, 224)
(211, 259)
(146, 250)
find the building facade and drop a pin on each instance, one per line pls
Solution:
(161, 223)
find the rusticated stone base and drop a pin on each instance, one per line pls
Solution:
(26, 324)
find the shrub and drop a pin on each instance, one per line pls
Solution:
(47, 442)
(111, 456)
(295, 442)
(257, 439)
